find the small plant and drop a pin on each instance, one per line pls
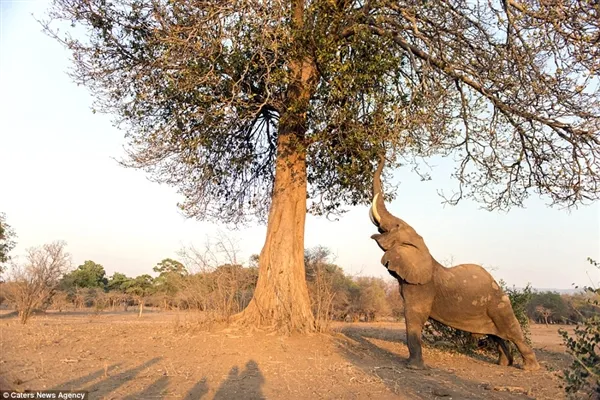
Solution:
(583, 375)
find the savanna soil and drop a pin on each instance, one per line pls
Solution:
(170, 355)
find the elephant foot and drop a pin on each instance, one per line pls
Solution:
(531, 366)
(505, 361)
(416, 364)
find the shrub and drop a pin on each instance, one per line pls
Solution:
(583, 375)
(31, 285)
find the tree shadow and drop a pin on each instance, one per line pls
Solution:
(155, 391)
(198, 390)
(111, 382)
(77, 383)
(390, 368)
(244, 385)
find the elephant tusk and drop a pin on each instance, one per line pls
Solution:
(374, 215)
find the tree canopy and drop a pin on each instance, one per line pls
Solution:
(87, 275)
(169, 266)
(507, 88)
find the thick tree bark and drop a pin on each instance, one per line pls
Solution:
(281, 298)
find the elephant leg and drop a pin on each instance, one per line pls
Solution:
(418, 300)
(505, 355)
(509, 328)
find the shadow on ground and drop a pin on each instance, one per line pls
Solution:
(244, 384)
(391, 369)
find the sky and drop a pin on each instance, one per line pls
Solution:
(60, 181)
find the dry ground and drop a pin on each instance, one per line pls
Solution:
(167, 355)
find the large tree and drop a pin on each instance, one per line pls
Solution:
(267, 109)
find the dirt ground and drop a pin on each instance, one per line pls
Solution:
(166, 355)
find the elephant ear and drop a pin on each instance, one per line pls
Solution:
(409, 262)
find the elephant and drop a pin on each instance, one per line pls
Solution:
(464, 297)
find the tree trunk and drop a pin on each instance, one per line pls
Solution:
(141, 301)
(281, 298)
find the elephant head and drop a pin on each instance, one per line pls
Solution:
(406, 254)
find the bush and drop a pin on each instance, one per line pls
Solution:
(519, 299)
(583, 375)
(454, 339)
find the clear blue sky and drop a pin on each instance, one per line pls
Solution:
(59, 181)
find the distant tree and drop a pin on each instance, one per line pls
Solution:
(254, 259)
(140, 288)
(7, 242)
(117, 281)
(543, 312)
(250, 108)
(372, 301)
(168, 281)
(117, 285)
(31, 284)
(88, 275)
(548, 306)
(394, 299)
(170, 266)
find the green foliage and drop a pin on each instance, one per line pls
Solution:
(552, 304)
(203, 89)
(170, 266)
(583, 375)
(170, 274)
(117, 282)
(7, 241)
(88, 275)
(584, 372)
(140, 286)
(519, 299)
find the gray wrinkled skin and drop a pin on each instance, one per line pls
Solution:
(465, 296)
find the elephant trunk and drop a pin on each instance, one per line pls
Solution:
(379, 214)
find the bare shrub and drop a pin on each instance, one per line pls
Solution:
(218, 284)
(31, 285)
(60, 301)
(327, 287)
(372, 302)
(394, 299)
